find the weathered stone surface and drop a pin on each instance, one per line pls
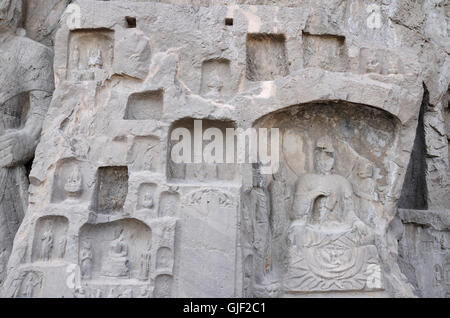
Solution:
(41, 19)
(424, 251)
(26, 85)
(111, 214)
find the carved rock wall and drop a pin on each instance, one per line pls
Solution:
(110, 214)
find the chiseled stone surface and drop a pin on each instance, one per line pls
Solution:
(26, 85)
(350, 84)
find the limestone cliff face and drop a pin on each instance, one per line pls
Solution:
(41, 19)
(359, 90)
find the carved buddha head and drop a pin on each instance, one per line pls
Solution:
(10, 14)
(324, 155)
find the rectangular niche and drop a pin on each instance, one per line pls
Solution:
(111, 189)
(145, 105)
(90, 54)
(266, 57)
(216, 78)
(325, 51)
(50, 238)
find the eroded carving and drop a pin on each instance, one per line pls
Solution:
(144, 154)
(86, 260)
(216, 79)
(146, 199)
(117, 263)
(380, 61)
(50, 238)
(202, 171)
(329, 247)
(325, 51)
(209, 197)
(90, 54)
(26, 86)
(266, 57)
(111, 189)
(69, 183)
(113, 250)
(164, 246)
(163, 286)
(74, 183)
(144, 106)
(145, 264)
(27, 285)
(169, 203)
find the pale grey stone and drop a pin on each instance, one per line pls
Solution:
(26, 85)
(111, 215)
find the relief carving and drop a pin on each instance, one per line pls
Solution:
(24, 100)
(86, 260)
(114, 250)
(216, 79)
(47, 243)
(209, 196)
(136, 222)
(111, 189)
(90, 55)
(74, 184)
(311, 226)
(69, 184)
(26, 285)
(146, 194)
(50, 238)
(330, 248)
(144, 265)
(266, 57)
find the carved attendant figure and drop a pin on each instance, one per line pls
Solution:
(373, 66)
(147, 201)
(26, 85)
(329, 248)
(86, 261)
(30, 284)
(366, 190)
(47, 243)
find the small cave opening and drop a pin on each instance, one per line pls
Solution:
(131, 22)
